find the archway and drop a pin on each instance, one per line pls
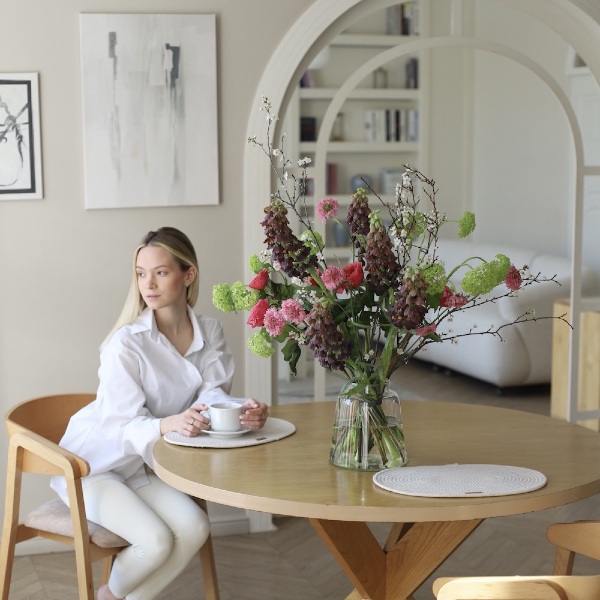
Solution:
(321, 22)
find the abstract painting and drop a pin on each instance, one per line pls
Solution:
(20, 145)
(149, 110)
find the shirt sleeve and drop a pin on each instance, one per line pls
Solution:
(124, 415)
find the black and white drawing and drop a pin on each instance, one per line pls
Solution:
(20, 147)
(149, 110)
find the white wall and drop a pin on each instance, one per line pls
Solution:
(505, 152)
(65, 270)
(521, 146)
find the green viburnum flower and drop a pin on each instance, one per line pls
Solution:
(255, 264)
(243, 297)
(466, 224)
(260, 344)
(485, 277)
(222, 297)
(434, 275)
(313, 240)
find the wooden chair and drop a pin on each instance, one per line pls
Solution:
(35, 427)
(570, 539)
(586, 587)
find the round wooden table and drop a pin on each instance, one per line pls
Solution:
(293, 477)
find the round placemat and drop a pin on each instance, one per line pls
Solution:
(274, 429)
(460, 481)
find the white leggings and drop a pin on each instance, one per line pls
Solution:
(164, 526)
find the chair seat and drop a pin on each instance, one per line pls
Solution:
(54, 516)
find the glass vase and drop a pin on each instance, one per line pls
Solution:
(367, 430)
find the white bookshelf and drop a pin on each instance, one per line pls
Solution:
(348, 70)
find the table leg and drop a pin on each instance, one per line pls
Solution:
(396, 571)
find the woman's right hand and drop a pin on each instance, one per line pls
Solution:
(189, 423)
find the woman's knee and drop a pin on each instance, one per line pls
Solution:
(155, 546)
(194, 529)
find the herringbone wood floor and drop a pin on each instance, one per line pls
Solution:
(293, 564)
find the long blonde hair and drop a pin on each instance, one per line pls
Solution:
(180, 246)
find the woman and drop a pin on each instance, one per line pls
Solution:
(160, 367)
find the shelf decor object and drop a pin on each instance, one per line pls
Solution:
(149, 110)
(366, 317)
(20, 133)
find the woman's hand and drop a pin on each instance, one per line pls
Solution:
(188, 423)
(254, 414)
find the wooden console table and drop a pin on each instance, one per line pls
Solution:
(589, 361)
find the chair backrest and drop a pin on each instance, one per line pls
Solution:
(580, 537)
(47, 416)
(520, 588)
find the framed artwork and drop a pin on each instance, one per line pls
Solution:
(20, 137)
(149, 110)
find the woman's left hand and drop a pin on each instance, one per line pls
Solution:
(254, 414)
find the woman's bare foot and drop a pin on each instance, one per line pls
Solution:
(105, 594)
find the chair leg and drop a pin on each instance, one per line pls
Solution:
(11, 516)
(7, 555)
(107, 564)
(563, 562)
(209, 570)
(85, 579)
(207, 561)
(81, 539)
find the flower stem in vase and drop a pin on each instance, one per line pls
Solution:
(367, 433)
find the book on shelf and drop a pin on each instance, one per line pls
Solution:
(391, 125)
(403, 19)
(308, 79)
(331, 179)
(309, 190)
(412, 73)
(308, 129)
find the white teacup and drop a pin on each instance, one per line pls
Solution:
(225, 416)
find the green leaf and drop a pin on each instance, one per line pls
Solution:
(291, 353)
(388, 352)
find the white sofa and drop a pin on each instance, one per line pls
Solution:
(526, 355)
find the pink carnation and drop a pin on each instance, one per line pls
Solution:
(456, 301)
(260, 281)
(257, 314)
(333, 277)
(327, 208)
(513, 279)
(274, 322)
(292, 311)
(426, 329)
(451, 300)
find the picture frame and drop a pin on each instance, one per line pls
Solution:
(150, 123)
(20, 137)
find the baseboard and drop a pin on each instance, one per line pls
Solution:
(234, 522)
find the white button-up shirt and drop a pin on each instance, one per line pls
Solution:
(142, 379)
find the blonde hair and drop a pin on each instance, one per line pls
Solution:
(180, 246)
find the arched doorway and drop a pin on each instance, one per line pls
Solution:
(321, 22)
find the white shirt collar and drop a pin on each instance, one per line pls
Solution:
(147, 322)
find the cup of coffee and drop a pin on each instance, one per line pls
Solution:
(225, 416)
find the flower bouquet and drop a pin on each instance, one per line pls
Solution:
(366, 316)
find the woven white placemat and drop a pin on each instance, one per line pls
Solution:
(274, 429)
(460, 481)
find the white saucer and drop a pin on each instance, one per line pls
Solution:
(226, 434)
